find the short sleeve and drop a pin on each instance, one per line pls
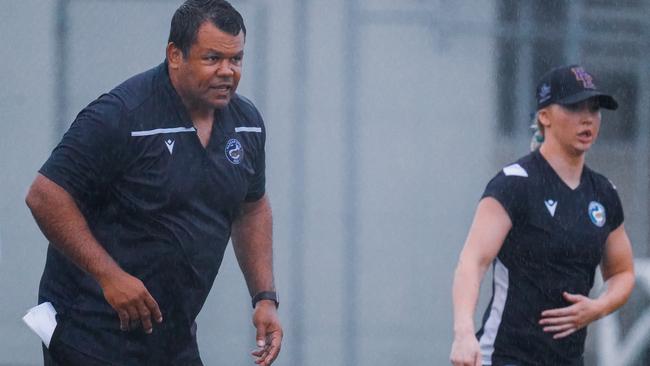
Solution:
(87, 158)
(257, 184)
(615, 216)
(510, 192)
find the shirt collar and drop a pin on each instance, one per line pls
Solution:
(174, 98)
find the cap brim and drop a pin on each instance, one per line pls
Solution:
(604, 100)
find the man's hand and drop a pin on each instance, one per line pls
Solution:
(564, 321)
(269, 332)
(465, 351)
(132, 301)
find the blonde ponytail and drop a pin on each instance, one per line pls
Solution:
(538, 134)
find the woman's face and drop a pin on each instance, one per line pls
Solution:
(574, 126)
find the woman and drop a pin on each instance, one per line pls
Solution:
(545, 223)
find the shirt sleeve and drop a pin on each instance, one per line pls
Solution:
(257, 185)
(615, 207)
(87, 158)
(510, 192)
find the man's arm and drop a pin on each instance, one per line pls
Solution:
(62, 223)
(252, 237)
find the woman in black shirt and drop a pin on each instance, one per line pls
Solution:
(545, 223)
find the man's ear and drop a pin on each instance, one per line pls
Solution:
(174, 56)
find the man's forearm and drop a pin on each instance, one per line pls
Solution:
(62, 223)
(252, 237)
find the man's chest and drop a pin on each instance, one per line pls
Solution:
(171, 168)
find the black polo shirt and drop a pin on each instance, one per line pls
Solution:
(160, 203)
(556, 242)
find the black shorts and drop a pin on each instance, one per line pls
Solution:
(154, 350)
(63, 355)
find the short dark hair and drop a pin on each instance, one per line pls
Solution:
(190, 16)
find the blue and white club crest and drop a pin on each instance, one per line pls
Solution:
(597, 213)
(234, 151)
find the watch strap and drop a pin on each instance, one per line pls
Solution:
(265, 295)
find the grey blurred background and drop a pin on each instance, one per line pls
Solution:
(385, 121)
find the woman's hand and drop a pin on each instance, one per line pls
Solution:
(565, 321)
(465, 351)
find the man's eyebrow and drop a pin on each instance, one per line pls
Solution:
(221, 54)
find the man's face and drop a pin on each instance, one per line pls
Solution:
(208, 75)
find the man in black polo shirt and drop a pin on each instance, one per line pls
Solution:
(141, 196)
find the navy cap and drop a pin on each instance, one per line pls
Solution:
(568, 85)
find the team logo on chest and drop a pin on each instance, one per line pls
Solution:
(234, 151)
(551, 205)
(597, 213)
(170, 145)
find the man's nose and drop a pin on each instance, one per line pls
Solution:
(225, 68)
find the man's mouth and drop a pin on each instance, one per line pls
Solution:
(222, 88)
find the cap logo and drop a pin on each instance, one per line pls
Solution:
(583, 77)
(544, 93)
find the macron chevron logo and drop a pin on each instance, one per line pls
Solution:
(550, 206)
(170, 145)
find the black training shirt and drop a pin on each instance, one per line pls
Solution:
(160, 203)
(556, 242)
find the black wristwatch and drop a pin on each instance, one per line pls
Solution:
(266, 295)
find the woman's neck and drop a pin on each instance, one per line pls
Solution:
(567, 166)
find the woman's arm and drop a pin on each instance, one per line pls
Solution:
(617, 267)
(486, 235)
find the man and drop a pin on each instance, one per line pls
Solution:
(141, 196)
